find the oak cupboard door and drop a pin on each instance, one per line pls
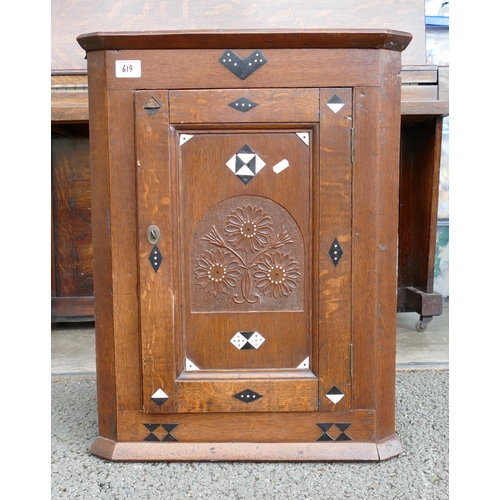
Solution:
(239, 238)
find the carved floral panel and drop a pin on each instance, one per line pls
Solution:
(247, 254)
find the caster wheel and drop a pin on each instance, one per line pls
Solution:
(422, 323)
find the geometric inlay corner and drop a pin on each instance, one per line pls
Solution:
(304, 364)
(242, 68)
(159, 397)
(335, 394)
(247, 396)
(190, 366)
(243, 104)
(183, 138)
(247, 340)
(335, 252)
(304, 136)
(335, 103)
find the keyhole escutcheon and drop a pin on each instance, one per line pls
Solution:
(153, 234)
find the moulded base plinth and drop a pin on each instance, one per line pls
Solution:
(247, 452)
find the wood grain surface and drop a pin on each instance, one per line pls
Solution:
(71, 18)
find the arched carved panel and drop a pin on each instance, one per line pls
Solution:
(247, 254)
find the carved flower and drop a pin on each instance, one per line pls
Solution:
(248, 228)
(276, 274)
(216, 272)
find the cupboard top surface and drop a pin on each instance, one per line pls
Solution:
(247, 39)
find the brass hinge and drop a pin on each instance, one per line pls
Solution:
(353, 141)
(351, 359)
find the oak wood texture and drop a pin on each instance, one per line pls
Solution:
(374, 256)
(154, 201)
(289, 395)
(205, 106)
(248, 39)
(71, 18)
(156, 160)
(334, 211)
(286, 427)
(387, 243)
(186, 68)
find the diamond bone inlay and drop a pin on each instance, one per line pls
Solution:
(247, 340)
(335, 252)
(335, 394)
(243, 104)
(159, 397)
(152, 106)
(247, 396)
(155, 258)
(246, 164)
(335, 103)
(242, 68)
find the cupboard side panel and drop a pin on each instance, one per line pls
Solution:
(334, 295)
(123, 231)
(388, 203)
(366, 179)
(101, 246)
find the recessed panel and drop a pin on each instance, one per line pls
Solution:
(247, 245)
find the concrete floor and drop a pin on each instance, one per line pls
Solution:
(73, 349)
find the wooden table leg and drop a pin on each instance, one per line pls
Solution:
(419, 190)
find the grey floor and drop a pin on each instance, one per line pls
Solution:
(73, 345)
